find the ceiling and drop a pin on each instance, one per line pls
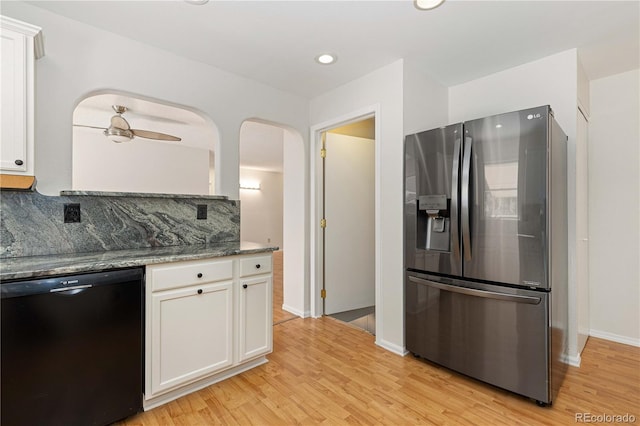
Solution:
(275, 42)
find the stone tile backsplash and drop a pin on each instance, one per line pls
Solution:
(32, 224)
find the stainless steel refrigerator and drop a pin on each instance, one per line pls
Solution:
(486, 250)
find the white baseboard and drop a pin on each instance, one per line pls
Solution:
(302, 314)
(392, 347)
(615, 337)
(572, 360)
(161, 399)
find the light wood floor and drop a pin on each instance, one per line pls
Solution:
(324, 371)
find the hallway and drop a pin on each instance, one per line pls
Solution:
(279, 315)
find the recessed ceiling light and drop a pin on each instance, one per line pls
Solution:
(197, 2)
(427, 4)
(326, 58)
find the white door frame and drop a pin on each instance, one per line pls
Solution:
(315, 163)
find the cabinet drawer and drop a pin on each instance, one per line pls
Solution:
(175, 275)
(255, 265)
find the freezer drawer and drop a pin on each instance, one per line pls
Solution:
(495, 334)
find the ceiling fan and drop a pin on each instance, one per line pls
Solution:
(120, 131)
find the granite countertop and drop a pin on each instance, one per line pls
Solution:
(59, 264)
(76, 193)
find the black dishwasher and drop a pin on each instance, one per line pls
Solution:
(72, 349)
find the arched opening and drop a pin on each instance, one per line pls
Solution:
(146, 161)
(272, 207)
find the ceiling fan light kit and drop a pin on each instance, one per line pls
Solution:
(118, 135)
(119, 131)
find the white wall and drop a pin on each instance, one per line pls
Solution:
(614, 207)
(547, 81)
(138, 166)
(583, 89)
(426, 103)
(261, 210)
(296, 225)
(381, 89)
(76, 63)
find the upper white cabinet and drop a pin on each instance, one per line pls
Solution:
(21, 45)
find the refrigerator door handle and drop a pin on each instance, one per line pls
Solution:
(478, 293)
(454, 199)
(466, 172)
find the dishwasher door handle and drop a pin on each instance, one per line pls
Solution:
(70, 291)
(477, 293)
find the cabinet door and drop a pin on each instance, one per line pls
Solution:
(191, 334)
(13, 142)
(256, 317)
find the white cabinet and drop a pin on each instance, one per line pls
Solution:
(21, 45)
(205, 320)
(193, 336)
(255, 310)
(256, 317)
(254, 265)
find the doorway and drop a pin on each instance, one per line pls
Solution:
(348, 223)
(262, 195)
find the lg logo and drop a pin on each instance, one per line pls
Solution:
(532, 116)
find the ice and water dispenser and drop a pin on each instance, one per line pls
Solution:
(434, 222)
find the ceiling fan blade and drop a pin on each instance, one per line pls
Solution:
(90, 127)
(147, 134)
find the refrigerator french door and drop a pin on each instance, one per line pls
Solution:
(485, 237)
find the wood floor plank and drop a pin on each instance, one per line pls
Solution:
(326, 372)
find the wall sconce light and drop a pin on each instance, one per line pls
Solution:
(249, 184)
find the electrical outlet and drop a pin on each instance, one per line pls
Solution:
(202, 211)
(72, 213)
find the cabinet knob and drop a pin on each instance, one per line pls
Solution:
(199, 291)
(19, 162)
(199, 274)
(244, 286)
(258, 266)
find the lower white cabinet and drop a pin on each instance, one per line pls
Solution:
(255, 329)
(193, 336)
(205, 320)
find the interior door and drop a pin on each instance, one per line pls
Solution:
(349, 241)
(504, 198)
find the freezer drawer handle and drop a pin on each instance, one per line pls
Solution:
(478, 293)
